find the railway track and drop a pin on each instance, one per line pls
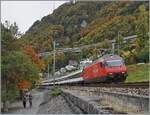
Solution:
(117, 85)
(140, 88)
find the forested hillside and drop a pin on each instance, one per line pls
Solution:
(86, 22)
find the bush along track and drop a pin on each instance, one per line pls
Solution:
(55, 92)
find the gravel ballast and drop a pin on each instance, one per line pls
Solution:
(131, 91)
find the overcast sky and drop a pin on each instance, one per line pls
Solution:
(25, 13)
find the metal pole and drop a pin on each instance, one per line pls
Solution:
(48, 70)
(118, 42)
(54, 64)
(113, 48)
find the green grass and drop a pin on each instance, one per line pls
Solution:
(55, 92)
(138, 73)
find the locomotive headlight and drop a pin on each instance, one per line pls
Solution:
(110, 73)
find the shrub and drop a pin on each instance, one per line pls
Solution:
(55, 92)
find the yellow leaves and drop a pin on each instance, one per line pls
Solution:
(39, 82)
(142, 8)
(125, 54)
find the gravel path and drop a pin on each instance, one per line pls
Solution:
(17, 107)
(55, 105)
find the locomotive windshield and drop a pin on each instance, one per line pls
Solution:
(114, 63)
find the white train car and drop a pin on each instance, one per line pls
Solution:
(69, 81)
(66, 77)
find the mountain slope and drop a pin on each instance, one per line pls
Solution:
(86, 22)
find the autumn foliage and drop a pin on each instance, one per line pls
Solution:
(24, 85)
(35, 57)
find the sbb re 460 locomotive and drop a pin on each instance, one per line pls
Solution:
(109, 68)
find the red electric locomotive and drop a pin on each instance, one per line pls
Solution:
(107, 68)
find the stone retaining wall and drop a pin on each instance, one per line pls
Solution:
(138, 102)
(85, 105)
(90, 105)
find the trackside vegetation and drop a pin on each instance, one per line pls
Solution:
(55, 92)
(138, 73)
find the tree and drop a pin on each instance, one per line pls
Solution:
(72, 56)
(143, 55)
(16, 67)
(8, 43)
(35, 58)
(141, 28)
(105, 44)
(14, 29)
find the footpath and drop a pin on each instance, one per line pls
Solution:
(42, 104)
(17, 107)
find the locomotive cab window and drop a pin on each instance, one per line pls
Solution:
(114, 63)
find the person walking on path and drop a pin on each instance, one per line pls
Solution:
(30, 100)
(24, 99)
